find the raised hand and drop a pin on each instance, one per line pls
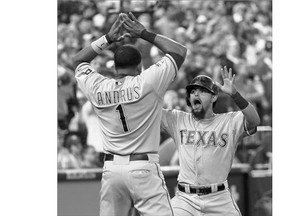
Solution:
(115, 32)
(228, 86)
(132, 25)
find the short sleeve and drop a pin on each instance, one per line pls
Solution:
(87, 78)
(161, 74)
(239, 125)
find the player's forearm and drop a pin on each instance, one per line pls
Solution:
(88, 53)
(251, 116)
(166, 45)
(247, 109)
(85, 55)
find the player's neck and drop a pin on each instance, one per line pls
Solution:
(120, 73)
(209, 114)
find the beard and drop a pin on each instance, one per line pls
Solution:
(199, 113)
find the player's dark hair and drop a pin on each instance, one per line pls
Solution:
(127, 56)
(187, 98)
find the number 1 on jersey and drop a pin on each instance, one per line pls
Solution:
(122, 117)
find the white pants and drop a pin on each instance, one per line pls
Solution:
(214, 204)
(139, 184)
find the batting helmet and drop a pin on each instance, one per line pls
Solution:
(201, 81)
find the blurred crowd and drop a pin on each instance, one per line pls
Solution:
(232, 33)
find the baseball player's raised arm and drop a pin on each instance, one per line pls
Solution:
(165, 44)
(251, 116)
(90, 52)
(250, 113)
(85, 55)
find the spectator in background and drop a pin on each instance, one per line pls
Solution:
(71, 157)
(166, 22)
(263, 69)
(60, 142)
(90, 157)
(262, 24)
(94, 137)
(66, 99)
(252, 87)
(77, 123)
(262, 158)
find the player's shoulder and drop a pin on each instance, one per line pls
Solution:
(84, 69)
(162, 63)
(234, 113)
(229, 115)
(166, 59)
(176, 112)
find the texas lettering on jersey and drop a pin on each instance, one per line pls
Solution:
(191, 137)
(121, 96)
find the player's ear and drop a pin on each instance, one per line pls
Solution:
(214, 98)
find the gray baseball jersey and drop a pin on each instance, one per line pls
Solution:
(129, 109)
(206, 147)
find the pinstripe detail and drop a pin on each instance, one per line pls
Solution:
(234, 203)
(251, 132)
(81, 64)
(245, 127)
(173, 62)
(167, 193)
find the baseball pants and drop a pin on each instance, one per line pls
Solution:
(140, 184)
(218, 203)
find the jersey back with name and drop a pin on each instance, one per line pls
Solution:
(128, 109)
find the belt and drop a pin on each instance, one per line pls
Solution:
(201, 190)
(133, 157)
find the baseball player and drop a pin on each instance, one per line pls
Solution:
(129, 109)
(206, 143)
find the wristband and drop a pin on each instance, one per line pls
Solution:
(241, 102)
(100, 44)
(109, 40)
(148, 36)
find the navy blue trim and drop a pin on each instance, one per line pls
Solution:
(178, 59)
(247, 131)
(234, 203)
(173, 61)
(163, 185)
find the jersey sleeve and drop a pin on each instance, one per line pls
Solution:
(169, 122)
(87, 78)
(239, 126)
(161, 74)
(251, 131)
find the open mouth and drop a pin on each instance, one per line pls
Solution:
(197, 105)
(197, 102)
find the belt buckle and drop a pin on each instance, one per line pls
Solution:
(202, 191)
(197, 190)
